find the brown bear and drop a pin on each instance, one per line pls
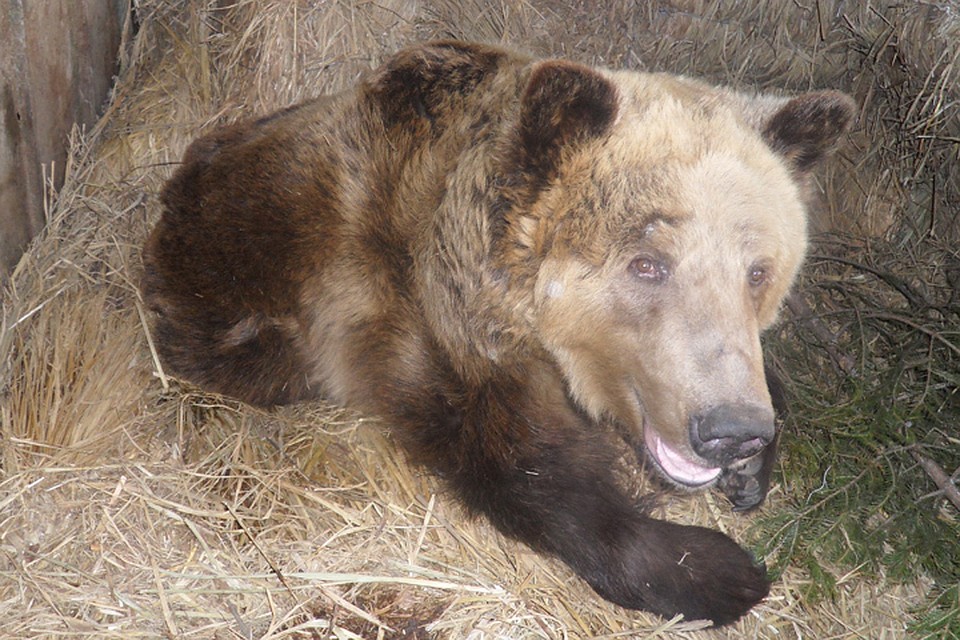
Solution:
(509, 260)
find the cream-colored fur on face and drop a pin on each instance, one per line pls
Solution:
(709, 197)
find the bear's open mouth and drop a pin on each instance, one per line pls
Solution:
(674, 464)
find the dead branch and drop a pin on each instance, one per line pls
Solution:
(938, 475)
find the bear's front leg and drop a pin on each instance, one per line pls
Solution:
(517, 451)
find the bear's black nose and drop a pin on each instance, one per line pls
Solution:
(731, 432)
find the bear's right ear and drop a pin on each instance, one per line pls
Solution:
(805, 129)
(563, 104)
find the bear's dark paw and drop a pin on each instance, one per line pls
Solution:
(744, 485)
(671, 569)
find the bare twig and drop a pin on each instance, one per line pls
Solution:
(246, 532)
(939, 477)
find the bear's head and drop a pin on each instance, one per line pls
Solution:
(666, 221)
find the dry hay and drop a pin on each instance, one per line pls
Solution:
(134, 506)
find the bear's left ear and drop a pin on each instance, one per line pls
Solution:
(563, 104)
(805, 129)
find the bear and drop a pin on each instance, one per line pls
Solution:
(517, 264)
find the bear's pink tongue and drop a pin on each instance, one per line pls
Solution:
(674, 464)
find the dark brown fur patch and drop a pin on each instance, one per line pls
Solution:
(421, 83)
(219, 309)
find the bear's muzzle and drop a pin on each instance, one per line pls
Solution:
(731, 432)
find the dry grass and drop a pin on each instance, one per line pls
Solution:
(132, 506)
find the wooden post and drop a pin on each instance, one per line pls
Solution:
(57, 62)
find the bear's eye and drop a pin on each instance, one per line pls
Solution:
(757, 276)
(648, 268)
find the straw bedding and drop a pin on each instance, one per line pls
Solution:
(132, 505)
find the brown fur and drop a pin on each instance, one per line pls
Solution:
(501, 256)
